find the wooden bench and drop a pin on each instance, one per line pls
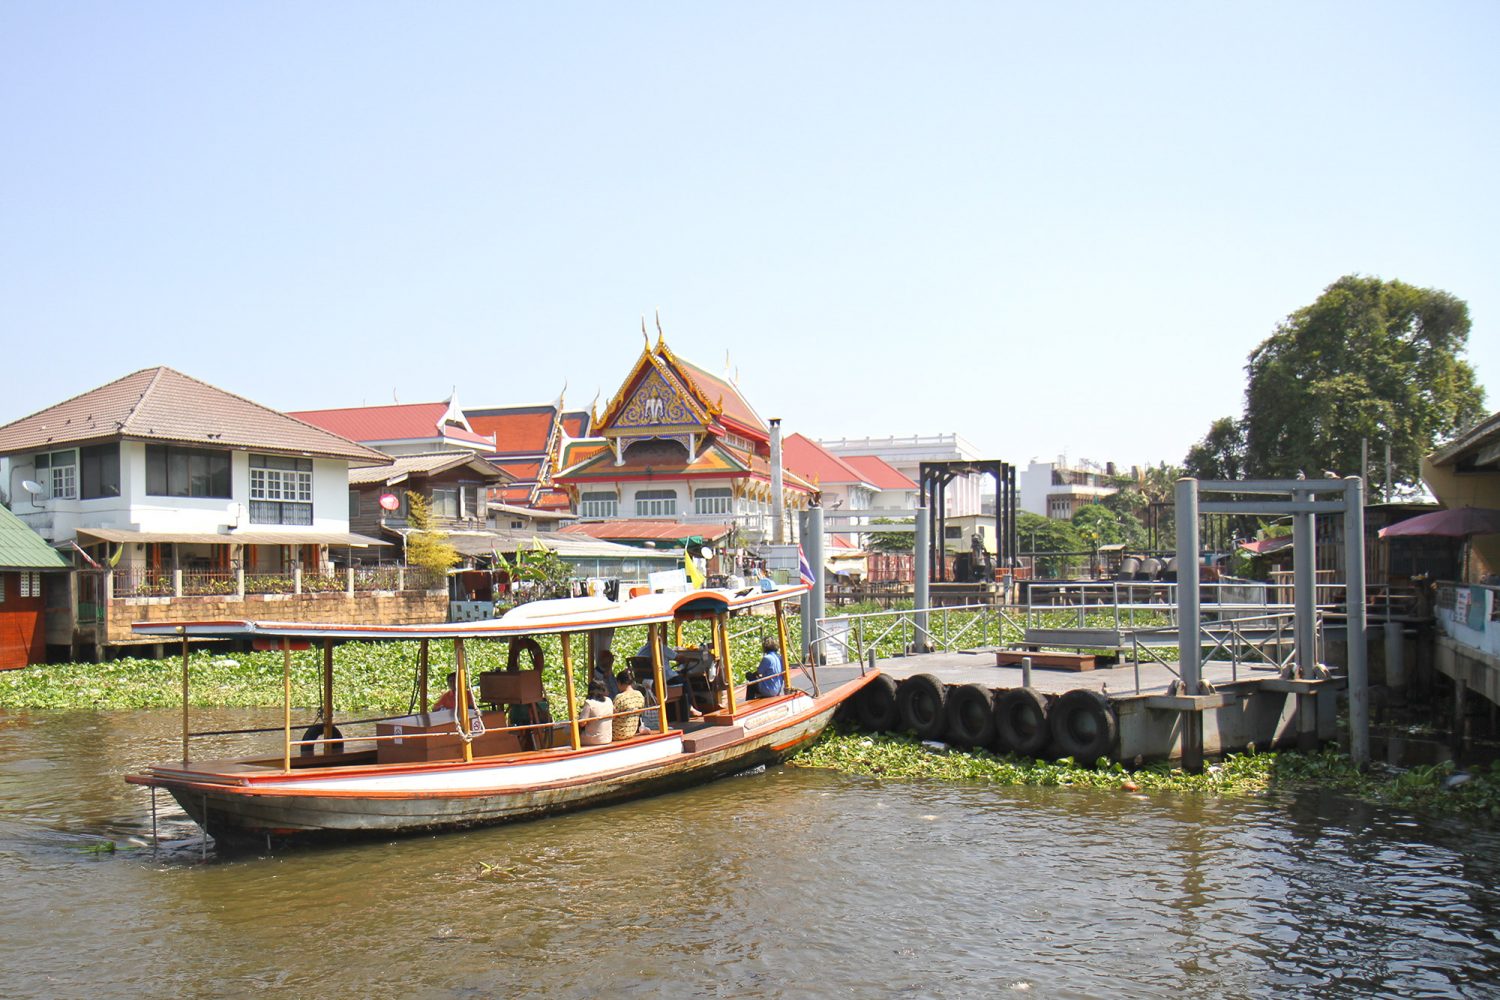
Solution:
(1046, 661)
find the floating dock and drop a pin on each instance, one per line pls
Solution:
(1129, 712)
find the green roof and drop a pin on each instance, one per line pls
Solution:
(22, 548)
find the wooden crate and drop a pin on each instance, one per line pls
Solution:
(1045, 661)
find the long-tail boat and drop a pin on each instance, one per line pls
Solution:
(497, 755)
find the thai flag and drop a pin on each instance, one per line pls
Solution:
(804, 568)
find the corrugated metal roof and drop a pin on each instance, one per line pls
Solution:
(231, 538)
(434, 464)
(22, 548)
(162, 404)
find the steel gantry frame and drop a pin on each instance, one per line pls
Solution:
(1298, 498)
(934, 478)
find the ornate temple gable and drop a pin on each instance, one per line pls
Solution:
(658, 400)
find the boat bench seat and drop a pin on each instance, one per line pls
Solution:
(711, 738)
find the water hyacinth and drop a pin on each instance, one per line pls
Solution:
(1426, 789)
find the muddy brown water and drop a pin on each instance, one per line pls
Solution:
(782, 883)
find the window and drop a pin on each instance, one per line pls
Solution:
(31, 584)
(280, 490)
(714, 501)
(598, 505)
(58, 471)
(655, 503)
(99, 471)
(186, 472)
(353, 503)
(444, 502)
(950, 531)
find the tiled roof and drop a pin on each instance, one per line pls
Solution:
(522, 471)
(645, 530)
(878, 472)
(22, 548)
(723, 393)
(406, 466)
(398, 422)
(576, 423)
(517, 430)
(162, 404)
(812, 461)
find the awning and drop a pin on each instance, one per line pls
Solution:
(483, 543)
(260, 537)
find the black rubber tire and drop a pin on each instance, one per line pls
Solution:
(1083, 726)
(875, 705)
(315, 732)
(1021, 722)
(921, 700)
(971, 715)
(512, 658)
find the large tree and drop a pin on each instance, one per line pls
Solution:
(1369, 360)
(1221, 453)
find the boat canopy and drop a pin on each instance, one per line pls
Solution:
(574, 614)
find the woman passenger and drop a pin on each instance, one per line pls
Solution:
(594, 720)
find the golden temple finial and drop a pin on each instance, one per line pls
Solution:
(644, 335)
(660, 336)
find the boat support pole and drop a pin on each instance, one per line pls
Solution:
(721, 628)
(183, 632)
(422, 672)
(286, 706)
(659, 671)
(781, 637)
(327, 691)
(461, 700)
(155, 836)
(567, 653)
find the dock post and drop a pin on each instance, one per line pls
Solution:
(1355, 636)
(1189, 641)
(1395, 659)
(1305, 588)
(815, 556)
(921, 575)
(1026, 671)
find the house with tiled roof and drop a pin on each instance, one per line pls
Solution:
(677, 443)
(844, 488)
(404, 428)
(455, 485)
(29, 568)
(164, 487)
(527, 442)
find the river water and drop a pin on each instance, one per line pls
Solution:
(783, 883)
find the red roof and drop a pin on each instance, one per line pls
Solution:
(517, 429)
(812, 461)
(398, 422)
(576, 423)
(722, 393)
(645, 530)
(878, 472)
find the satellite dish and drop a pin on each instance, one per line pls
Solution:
(35, 488)
(389, 501)
(706, 552)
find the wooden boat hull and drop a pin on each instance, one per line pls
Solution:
(382, 801)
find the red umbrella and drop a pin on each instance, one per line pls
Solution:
(1459, 522)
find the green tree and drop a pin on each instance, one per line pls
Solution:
(889, 541)
(1099, 524)
(543, 572)
(426, 547)
(1370, 359)
(1041, 535)
(1221, 453)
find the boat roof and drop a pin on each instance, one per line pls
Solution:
(572, 614)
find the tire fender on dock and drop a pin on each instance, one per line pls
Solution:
(1021, 721)
(921, 700)
(1083, 725)
(875, 705)
(971, 715)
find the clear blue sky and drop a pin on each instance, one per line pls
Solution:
(1050, 227)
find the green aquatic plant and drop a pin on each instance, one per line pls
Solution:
(1434, 788)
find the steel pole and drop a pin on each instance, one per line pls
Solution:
(815, 556)
(921, 574)
(1354, 584)
(1189, 645)
(1305, 588)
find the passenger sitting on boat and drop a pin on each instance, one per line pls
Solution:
(449, 700)
(631, 701)
(604, 671)
(595, 717)
(767, 674)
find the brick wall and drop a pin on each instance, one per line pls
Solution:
(406, 608)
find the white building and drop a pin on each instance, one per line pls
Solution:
(906, 455)
(1057, 489)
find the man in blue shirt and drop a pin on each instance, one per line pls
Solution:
(765, 679)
